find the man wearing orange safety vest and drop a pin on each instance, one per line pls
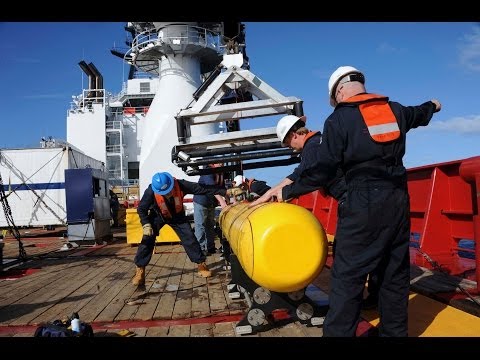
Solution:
(292, 132)
(365, 137)
(162, 203)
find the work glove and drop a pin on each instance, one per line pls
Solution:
(235, 191)
(147, 229)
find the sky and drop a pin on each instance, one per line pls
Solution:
(411, 62)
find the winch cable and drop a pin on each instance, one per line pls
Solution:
(436, 266)
(8, 216)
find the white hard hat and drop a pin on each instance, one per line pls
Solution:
(285, 124)
(338, 75)
(239, 180)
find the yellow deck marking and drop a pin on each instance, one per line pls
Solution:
(427, 317)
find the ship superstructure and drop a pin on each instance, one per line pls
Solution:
(176, 53)
(133, 132)
(189, 85)
(109, 127)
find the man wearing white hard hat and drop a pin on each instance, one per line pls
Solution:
(293, 133)
(365, 136)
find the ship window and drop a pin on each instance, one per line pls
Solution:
(144, 87)
(133, 170)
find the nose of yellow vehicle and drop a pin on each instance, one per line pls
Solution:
(280, 246)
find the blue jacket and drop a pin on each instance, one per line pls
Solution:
(206, 200)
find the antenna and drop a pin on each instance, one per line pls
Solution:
(83, 58)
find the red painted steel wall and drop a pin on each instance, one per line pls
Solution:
(444, 206)
(323, 207)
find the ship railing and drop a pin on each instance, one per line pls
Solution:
(120, 120)
(116, 181)
(114, 174)
(176, 34)
(134, 110)
(114, 149)
(123, 94)
(117, 112)
(85, 101)
(188, 34)
(114, 125)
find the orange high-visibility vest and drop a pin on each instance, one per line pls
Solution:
(309, 135)
(377, 114)
(178, 197)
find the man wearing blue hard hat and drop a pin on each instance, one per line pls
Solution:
(162, 203)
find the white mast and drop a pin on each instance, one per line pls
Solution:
(174, 52)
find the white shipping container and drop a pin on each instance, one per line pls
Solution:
(34, 183)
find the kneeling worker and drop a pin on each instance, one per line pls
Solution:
(162, 203)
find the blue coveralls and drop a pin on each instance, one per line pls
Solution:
(149, 212)
(309, 157)
(373, 228)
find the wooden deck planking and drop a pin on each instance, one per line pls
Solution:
(49, 296)
(224, 329)
(200, 304)
(179, 330)
(140, 332)
(41, 269)
(44, 295)
(157, 331)
(216, 294)
(166, 303)
(293, 329)
(34, 247)
(201, 330)
(14, 290)
(313, 331)
(97, 284)
(114, 307)
(182, 279)
(106, 289)
(79, 296)
(223, 277)
(155, 283)
(137, 296)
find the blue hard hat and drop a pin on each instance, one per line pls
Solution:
(162, 183)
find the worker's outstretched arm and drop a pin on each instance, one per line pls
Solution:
(273, 193)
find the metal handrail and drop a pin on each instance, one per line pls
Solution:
(169, 34)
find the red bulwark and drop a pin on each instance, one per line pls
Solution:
(444, 213)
